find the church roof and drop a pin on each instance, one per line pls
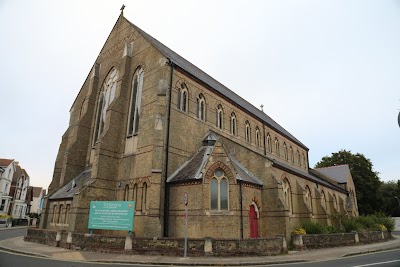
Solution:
(339, 173)
(192, 169)
(214, 84)
(68, 190)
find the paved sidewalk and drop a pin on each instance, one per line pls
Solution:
(19, 245)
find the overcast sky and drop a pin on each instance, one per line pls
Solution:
(327, 71)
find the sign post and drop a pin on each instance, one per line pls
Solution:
(185, 200)
(111, 215)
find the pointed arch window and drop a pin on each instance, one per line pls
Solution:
(182, 103)
(126, 193)
(201, 107)
(323, 199)
(291, 154)
(269, 146)
(303, 161)
(285, 151)
(219, 191)
(135, 102)
(220, 117)
(287, 194)
(105, 99)
(277, 148)
(308, 197)
(298, 158)
(233, 124)
(247, 132)
(258, 143)
(144, 197)
(335, 204)
(135, 195)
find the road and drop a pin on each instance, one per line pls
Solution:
(10, 259)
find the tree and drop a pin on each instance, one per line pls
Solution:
(366, 181)
(389, 191)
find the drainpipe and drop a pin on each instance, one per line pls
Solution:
(166, 187)
(241, 209)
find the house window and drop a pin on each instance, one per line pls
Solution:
(220, 117)
(67, 212)
(126, 193)
(3, 203)
(182, 103)
(135, 195)
(105, 99)
(135, 102)
(247, 131)
(258, 144)
(269, 147)
(285, 151)
(201, 107)
(5, 188)
(233, 124)
(277, 148)
(287, 194)
(219, 191)
(144, 197)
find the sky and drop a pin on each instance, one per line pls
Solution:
(326, 71)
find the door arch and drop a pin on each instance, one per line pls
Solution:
(253, 215)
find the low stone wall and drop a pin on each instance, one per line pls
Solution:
(158, 246)
(337, 240)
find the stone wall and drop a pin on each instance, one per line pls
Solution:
(158, 246)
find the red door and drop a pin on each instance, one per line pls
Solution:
(253, 222)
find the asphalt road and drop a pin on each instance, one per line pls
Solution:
(10, 259)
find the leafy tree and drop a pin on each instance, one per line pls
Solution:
(366, 181)
(389, 191)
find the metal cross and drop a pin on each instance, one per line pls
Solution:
(262, 107)
(122, 8)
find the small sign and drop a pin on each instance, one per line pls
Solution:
(111, 215)
(185, 198)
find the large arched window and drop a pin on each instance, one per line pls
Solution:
(219, 191)
(287, 194)
(182, 103)
(233, 123)
(298, 158)
(269, 146)
(105, 99)
(201, 107)
(144, 197)
(308, 198)
(247, 131)
(277, 148)
(258, 143)
(220, 117)
(136, 100)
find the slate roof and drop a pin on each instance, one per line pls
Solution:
(191, 170)
(217, 86)
(68, 191)
(5, 162)
(311, 176)
(339, 173)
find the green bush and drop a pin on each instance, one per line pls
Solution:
(383, 219)
(352, 224)
(332, 229)
(314, 227)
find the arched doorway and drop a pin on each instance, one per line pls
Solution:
(253, 221)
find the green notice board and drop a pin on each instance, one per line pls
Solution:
(111, 215)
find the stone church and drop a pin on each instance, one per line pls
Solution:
(149, 126)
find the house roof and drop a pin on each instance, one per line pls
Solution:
(37, 191)
(214, 84)
(339, 173)
(17, 174)
(74, 186)
(5, 162)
